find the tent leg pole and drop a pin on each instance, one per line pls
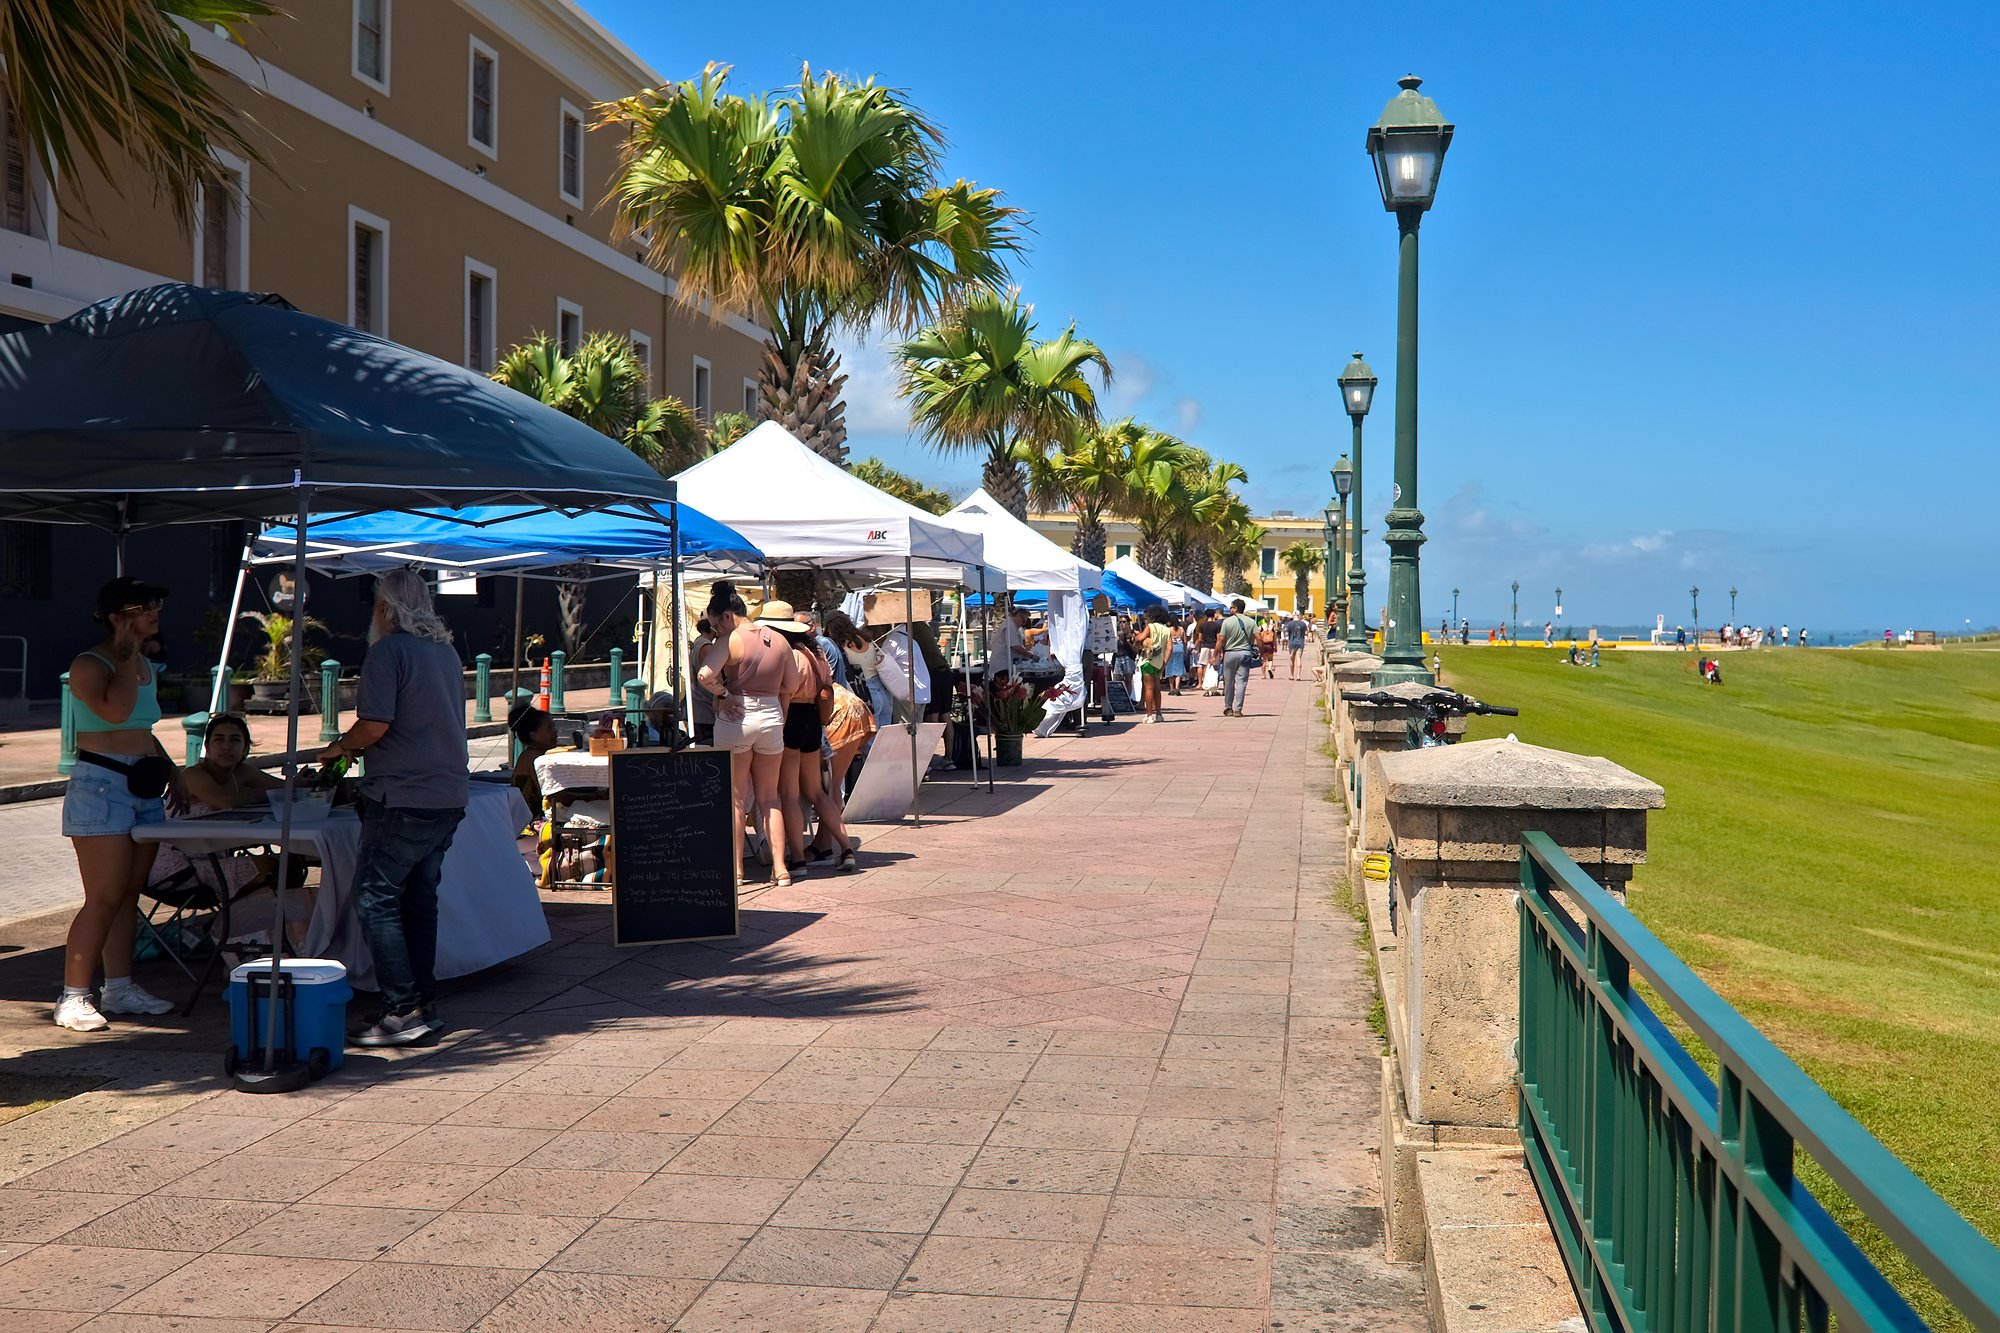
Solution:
(965, 656)
(986, 656)
(514, 684)
(291, 766)
(674, 607)
(219, 693)
(910, 632)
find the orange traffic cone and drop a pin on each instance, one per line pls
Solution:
(542, 693)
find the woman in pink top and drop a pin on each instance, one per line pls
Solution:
(750, 671)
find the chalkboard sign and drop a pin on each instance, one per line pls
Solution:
(673, 853)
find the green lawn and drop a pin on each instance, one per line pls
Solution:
(1829, 860)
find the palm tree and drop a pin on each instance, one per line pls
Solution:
(1086, 477)
(1218, 507)
(88, 76)
(980, 379)
(813, 210)
(1234, 550)
(1155, 496)
(602, 384)
(1302, 558)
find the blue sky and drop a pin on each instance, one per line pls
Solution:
(1709, 292)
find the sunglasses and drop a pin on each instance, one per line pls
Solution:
(153, 605)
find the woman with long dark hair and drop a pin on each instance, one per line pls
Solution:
(750, 672)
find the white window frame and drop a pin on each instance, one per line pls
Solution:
(563, 118)
(1121, 550)
(490, 354)
(1271, 602)
(702, 367)
(361, 217)
(566, 307)
(354, 45)
(753, 400)
(475, 49)
(642, 343)
(239, 226)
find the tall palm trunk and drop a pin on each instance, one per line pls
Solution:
(1089, 541)
(1233, 581)
(1152, 553)
(1196, 566)
(570, 596)
(1004, 481)
(799, 383)
(1177, 556)
(1301, 589)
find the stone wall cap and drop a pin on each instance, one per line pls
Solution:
(1509, 774)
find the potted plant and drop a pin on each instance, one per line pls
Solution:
(1015, 711)
(271, 672)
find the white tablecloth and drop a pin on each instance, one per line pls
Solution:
(570, 770)
(488, 909)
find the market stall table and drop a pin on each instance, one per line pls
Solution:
(488, 909)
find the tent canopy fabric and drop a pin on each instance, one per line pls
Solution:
(1192, 596)
(801, 509)
(1156, 588)
(502, 540)
(1027, 559)
(177, 404)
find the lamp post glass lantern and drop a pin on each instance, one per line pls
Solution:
(1732, 604)
(1694, 596)
(1357, 392)
(1343, 486)
(1407, 145)
(1514, 624)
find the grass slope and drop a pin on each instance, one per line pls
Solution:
(1829, 860)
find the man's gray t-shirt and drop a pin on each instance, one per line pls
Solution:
(417, 686)
(1239, 633)
(1295, 634)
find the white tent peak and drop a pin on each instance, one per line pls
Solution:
(1028, 559)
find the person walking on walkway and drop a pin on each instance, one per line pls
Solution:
(410, 727)
(1295, 641)
(121, 774)
(1267, 648)
(1238, 639)
(1154, 646)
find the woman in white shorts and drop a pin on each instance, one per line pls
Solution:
(749, 670)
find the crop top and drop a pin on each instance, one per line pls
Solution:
(763, 672)
(145, 709)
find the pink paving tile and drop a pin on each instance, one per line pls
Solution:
(83, 1277)
(932, 1312)
(238, 1285)
(723, 1199)
(649, 1248)
(597, 1302)
(735, 1307)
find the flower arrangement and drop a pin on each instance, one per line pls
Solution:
(1015, 709)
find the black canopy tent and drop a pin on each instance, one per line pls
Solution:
(177, 404)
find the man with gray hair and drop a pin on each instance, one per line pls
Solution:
(410, 726)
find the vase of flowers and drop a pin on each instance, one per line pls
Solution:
(1014, 709)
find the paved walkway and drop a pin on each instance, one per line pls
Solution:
(1086, 1054)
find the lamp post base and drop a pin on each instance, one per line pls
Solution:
(1400, 673)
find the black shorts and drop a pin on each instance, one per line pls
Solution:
(802, 728)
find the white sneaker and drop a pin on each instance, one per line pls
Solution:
(78, 1014)
(133, 999)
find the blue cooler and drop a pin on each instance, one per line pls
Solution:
(313, 1026)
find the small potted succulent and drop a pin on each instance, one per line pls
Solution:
(271, 672)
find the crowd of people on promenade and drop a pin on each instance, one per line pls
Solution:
(1211, 653)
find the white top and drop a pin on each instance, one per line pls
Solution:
(897, 663)
(1006, 640)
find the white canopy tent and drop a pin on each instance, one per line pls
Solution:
(1129, 569)
(1194, 597)
(802, 510)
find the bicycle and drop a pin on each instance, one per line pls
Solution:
(1438, 707)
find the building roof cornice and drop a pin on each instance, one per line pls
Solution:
(576, 47)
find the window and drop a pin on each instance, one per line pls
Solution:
(15, 211)
(221, 241)
(703, 378)
(371, 43)
(752, 406)
(482, 98)
(1267, 562)
(1122, 551)
(368, 272)
(642, 348)
(570, 180)
(479, 316)
(27, 562)
(1270, 603)
(569, 327)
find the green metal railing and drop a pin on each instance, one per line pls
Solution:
(1677, 1208)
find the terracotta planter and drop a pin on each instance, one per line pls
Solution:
(1007, 750)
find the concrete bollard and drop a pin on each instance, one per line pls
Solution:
(557, 660)
(329, 700)
(1377, 729)
(66, 761)
(482, 689)
(617, 676)
(192, 726)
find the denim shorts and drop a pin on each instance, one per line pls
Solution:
(98, 803)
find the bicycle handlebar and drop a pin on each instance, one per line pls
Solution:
(1442, 701)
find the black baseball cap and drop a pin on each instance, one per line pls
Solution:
(124, 594)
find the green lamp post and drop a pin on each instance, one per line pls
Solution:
(1514, 625)
(1732, 604)
(1331, 567)
(1454, 607)
(1408, 145)
(1559, 612)
(1357, 391)
(1343, 486)
(1694, 595)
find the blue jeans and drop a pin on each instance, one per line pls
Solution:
(1236, 665)
(881, 701)
(395, 894)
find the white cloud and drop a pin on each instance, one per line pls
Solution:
(872, 405)
(1134, 379)
(1645, 545)
(1188, 412)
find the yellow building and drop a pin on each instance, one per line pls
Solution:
(1270, 582)
(431, 175)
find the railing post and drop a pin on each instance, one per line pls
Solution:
(66, 761)
(329, 700)
(635, 704)
(557, 660)
(192, 727)
(482, 688)
(617, 676)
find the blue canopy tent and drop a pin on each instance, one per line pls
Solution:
(1125, 595)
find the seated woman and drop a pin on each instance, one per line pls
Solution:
(536, 731)
(225, 779)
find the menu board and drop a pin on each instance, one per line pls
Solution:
(673, 850)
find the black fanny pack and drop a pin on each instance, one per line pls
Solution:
(146, 777)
